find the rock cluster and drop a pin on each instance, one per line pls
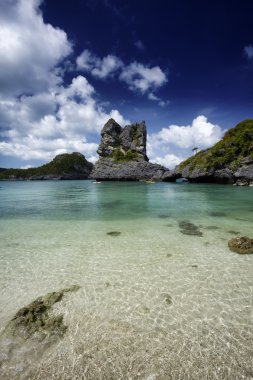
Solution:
(241, 245)
(122, 154)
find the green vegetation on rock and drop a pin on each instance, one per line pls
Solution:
(119, 156)
(35, 318)
(229, 152)
(62, 164)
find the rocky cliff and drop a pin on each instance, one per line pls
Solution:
(228, 161)
(63, 166)
(122, 154)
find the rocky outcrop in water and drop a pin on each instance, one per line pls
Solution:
(242, 245)
(122, 154)
(228, 161)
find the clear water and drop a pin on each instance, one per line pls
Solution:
(154, 303)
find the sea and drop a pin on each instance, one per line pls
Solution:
(161, 295)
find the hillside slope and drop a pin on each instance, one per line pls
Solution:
(63, 166)
(228, 161)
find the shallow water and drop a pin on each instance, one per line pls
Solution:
(156, 301)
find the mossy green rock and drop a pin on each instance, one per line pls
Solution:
(35, 318)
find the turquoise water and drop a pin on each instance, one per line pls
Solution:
(155, 303)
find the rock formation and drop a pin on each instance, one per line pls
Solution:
(228, 161)
(122, 154)
(63, 166)
(242, 245)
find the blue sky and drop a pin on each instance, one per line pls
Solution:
(185, 67)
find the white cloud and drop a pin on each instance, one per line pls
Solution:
(173, 144)
(65, 130)
(138, 77)
(248, 51)
(142, 78)
(161, 103)
(169, 160)
(39, 116)
(100, 68)
(200, 133)
(30, 49)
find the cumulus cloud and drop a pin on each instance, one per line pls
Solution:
(100, 68)
(30, 49)
(171, 145)
(42, 137)
(74, 115)
(139, 77)
(40, 116)
(248, 51)
(143, 78)
(170, 160)
(200, 133)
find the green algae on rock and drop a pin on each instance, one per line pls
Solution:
(35, 319)
(242, 245)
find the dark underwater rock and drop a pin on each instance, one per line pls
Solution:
(113, 233)
(188, 228)
(32, 330)
(35, 319)
(217, 213)
(242, 245)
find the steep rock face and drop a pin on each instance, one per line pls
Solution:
(108, 169)
(115, 139)
(63, 166)
(228, 161)
(122, 154)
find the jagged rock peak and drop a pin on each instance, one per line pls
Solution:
(116, 140)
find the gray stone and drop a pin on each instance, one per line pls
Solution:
(108, 169)
(122, 154)
(245, 172)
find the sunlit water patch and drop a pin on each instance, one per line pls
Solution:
(162, 296)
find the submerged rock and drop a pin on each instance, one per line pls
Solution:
(188, 228)
(113, 233)
(212, 228)
(232, 232)
(167, 297)
(217, 213)
(30, 333)
(242, 245)
(35, 318)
